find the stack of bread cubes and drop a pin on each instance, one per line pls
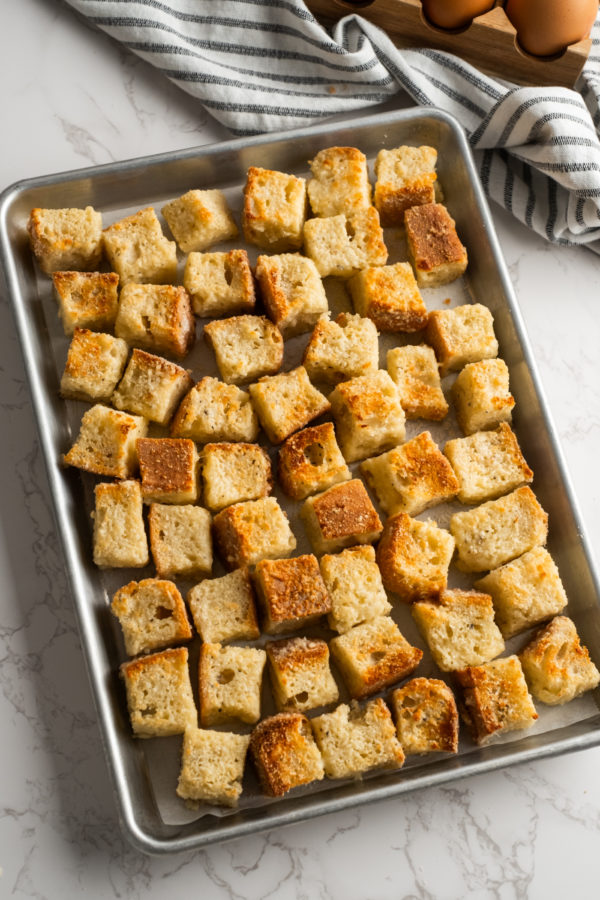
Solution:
(195, 472)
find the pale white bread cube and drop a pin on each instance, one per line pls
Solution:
(355, 588)
(488, 464)
(557, 665)
(481, 395)
(310, 461)
(247, 532)
(106, 443)
(342, 245)
(246, 347)
(168, 469)
(87, 299)
(152, 615)
(286, 402)
(66, 238)
(212, 766)
(156, 317)
(180, 540)
(199, 219)
(152, 387)
(461, 335)
(292, 292)
(415, 372)
(414, 557)
(159, 694)
(138, 251)
(285, 754)
(233, 473)
(390, 296)
(340, 182)
(119, 533)
(405, 177)
(274, 209)
(426, 716)
(434, 248)
(215, 411)
(300, 675)
(291, 592)
(95, 363)
(220, 284)
(230, 680)
(223, 609)
(340, 517)
(368, 416)
(342, 349)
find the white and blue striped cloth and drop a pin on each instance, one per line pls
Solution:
(268, 65)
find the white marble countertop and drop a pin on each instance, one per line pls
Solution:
(72, 98)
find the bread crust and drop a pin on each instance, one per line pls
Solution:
(285, 754)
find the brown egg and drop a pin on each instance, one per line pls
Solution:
(546, 27)
(452, 14)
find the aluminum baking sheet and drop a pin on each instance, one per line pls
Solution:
(144, 773)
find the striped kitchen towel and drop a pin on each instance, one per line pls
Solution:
(267, 65)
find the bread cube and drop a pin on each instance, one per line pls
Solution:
(495, 699)
(498, 531)
(156, 317)
(426, 716)
(342, 245)
(159, 694)
(481, 396)
(340, 182)
(291, 593)
(311, 461)
(557, 665)
(230, 683)
(339, 517)
(355, 588)
(285, 754)
(212, 766)
(214, 411)
(390, 296)
(341, 349)
(220, 284)
(152, 387)
(180, 540)
(95, 363)
(354, 739)
(368, 415)
(434, 247)
(138, 251)
(247, 532)
(87, 299)
(412, 477)
(106, 443)
(66, 238)
(169, 470)
(414, 370)
(223, 609)
(119, 534)
(300, 674)
(199, 219)
(152, 615)
(287, 402)
(292, 292)
(414, 557)
(246, 347)
(488, 464)
(405, 177)
(526, 591)
(461, 335)
(233, 473)
(274, 209)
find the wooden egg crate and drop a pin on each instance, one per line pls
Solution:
(488, 43)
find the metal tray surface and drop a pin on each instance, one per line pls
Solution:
(122, 187)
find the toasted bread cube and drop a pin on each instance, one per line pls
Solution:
(557, 665)
(274, 209)
(342, 349)
(285, 754)
(310, 461)
(340, 182)
(223, 609)
(66, 238)
(300, 674)
(368, 415)
(106, 443)
(488, 464)
(220, 284)
(354, 739)
(499, 530)
(152, 615)
(481, 396)
(87, 299)
(342, 245)
(414, 370)
(247, 532)
(212, 766)
(291, 593)
(233, 473)
(390, 297)
(340, 517)
(169, 470)
(95, 363)
(495, 699)
(159, 694)
(526, 591)
(414, 557)
(355, 588)
(292, 292)
(405, 177)
(180, 540)
(461, 335)
(214, 411)
(152, 387)
(246, 347)
(230, 683)
(199, 219)
(287, 402)
(412, 477)
(156, 317)
(434, 248)
(119, 534)
(138, 251)
(426, 716)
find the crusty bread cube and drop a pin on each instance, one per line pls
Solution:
(557, 665)
(481, 396)
(342, 349)
(66, 238)
(292, 292)
(342, 245)
(426, 716)
(119, 534)
(199, 219)
(169, 470)
(246, 347)
(414, 370)
(412, 477)
(156, 317)
(488, 464)
(215, 411)
(139, 252)
(152, 387)
(87, 299)
(230, 680)
(220, 284)
(287, 402)
(340, 182)
(159, 694)
(339, 517)
(106, 443)
(355, 588)
(212, 766)
(354, 739)
(310, 461)
(95, 363)
(292, 593)
(274, 209)
(223, 609)
(285, 754)
(498, 531)
(233, 473)
(414, 557)
(248, 532)
(300, 674)
(368, 415)
(180, 540)
(405, 177)
(461, 335)
(434, 247)
(390, 296)
(152, 615)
